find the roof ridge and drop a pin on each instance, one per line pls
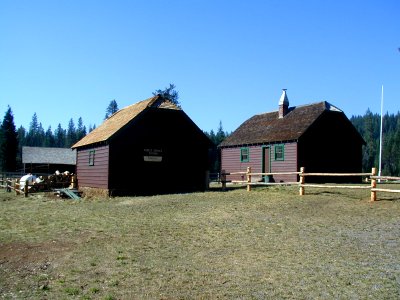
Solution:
(327, 105)
(46, 147)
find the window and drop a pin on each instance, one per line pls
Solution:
(244, 155)
(91, 157)
(279, 152)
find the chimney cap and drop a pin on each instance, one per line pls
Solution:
(283, 100)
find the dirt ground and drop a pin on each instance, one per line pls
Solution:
(31, 258)
(266, 244)
(30, 262)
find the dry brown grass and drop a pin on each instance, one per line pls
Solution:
(269, 243)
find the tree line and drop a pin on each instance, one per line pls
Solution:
(368, 126)
(12, 140)
(216, 138)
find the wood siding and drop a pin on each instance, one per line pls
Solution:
(95, 176)
(231, 162)
(289, 164)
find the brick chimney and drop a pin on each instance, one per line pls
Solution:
(283, 104)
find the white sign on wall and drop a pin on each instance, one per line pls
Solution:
(152, 155)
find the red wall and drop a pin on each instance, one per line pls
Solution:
(289, 164)
(95, 176)
(230, 162)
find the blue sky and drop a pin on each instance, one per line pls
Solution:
(228, 59)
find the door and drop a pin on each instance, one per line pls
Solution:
(266, 168)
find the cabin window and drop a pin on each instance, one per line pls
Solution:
(91, 157)
(279, 152)
(244, 155)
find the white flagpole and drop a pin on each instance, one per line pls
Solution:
(380, 137)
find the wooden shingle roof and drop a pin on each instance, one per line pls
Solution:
(45, 155)
(269, 128)
(121, 118)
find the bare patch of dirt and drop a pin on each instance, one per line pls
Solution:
(20, 254)
(29, 264)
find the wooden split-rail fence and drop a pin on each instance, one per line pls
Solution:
(371, 177)
(59, 181)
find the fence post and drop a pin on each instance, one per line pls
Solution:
(248, 174)
(223, 180)
(26, 186)
(73, 181)
(8, 185)
(373, 185)
(17, 187)
(302, 180)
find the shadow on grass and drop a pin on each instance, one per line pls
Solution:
(355, 195)
(388, 198)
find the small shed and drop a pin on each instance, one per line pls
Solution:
(48, 160)
(316, 136)
(149, 147)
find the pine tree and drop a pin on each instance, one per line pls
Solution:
(32, 135)
(71, 133)
(211, 135)
(111, 109)
(215, 155)
(81, 130)
(370, 151)
(369, 127)
(221, 135)
(395, 153)
(21, 134)
(91, 128)
(169, 93)
(59, 136)
(40, 136)
(8, 143)
(49, 140)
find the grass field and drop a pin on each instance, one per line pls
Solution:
(269, 243)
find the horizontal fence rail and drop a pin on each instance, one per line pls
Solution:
(390, 178)
(336, 174)
(302, 184)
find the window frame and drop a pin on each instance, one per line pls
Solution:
(242, 150)
(282, 152)
(92, 154)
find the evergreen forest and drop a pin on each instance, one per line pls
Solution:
(368, 126)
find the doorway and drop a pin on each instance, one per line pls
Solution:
(266, 163)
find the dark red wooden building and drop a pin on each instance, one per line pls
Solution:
(317, 136)
(149, 147)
